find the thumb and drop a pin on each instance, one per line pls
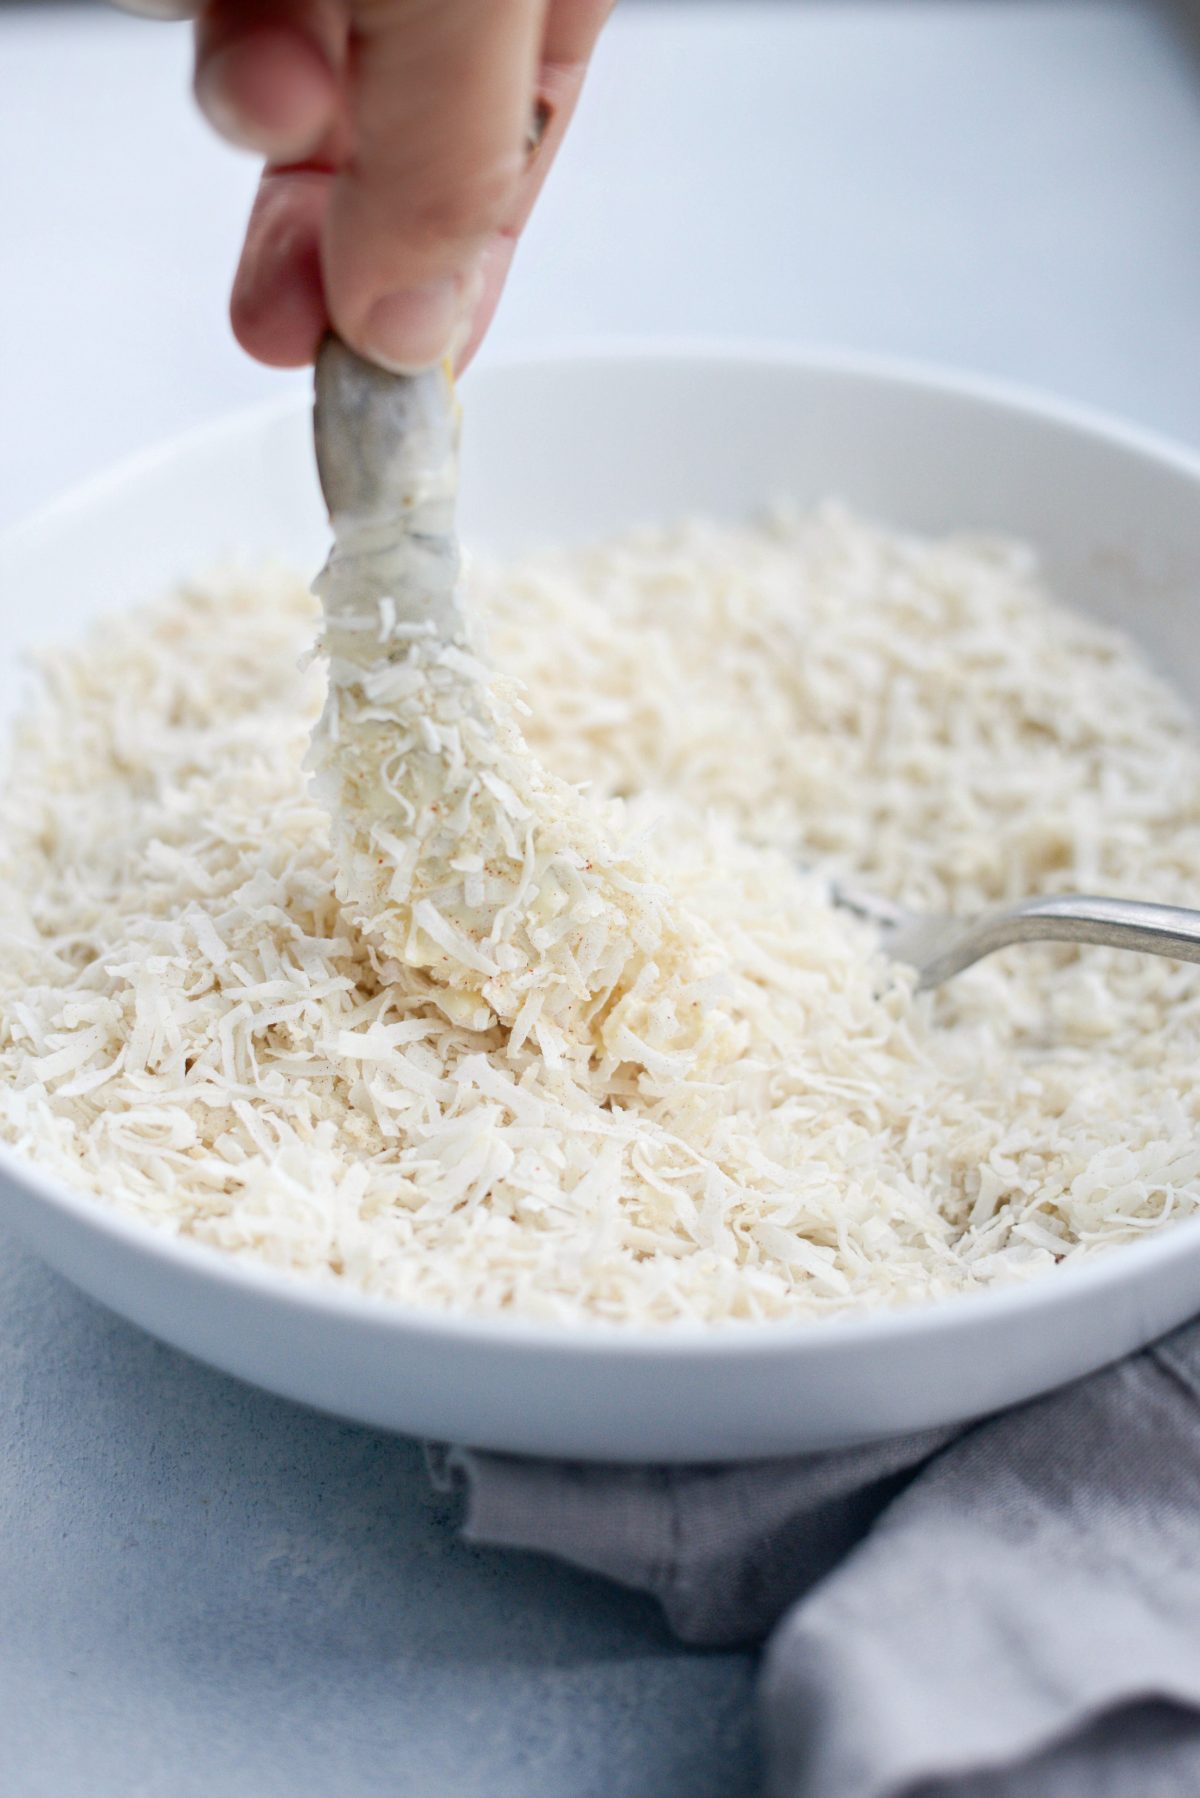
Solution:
(441, 97)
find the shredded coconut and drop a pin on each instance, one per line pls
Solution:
(459, 853)
(675, 1084)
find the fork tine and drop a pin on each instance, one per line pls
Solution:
(873, 907)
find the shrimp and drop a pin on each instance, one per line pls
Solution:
(526, 903)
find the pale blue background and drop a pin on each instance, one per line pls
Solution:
(204, 1590)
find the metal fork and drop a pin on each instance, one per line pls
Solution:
(939, 946)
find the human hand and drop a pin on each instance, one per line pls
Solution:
(406, 142)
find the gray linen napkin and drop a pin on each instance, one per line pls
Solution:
(1006, 1611)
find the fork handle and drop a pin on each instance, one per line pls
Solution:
(1172, 930)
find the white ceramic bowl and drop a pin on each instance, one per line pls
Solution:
(555, 449)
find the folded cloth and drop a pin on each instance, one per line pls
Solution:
(1010, 1610)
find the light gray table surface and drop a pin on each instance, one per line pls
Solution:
(204, 1590)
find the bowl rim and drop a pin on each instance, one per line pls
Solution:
(1014, 398)
(1123, 1265)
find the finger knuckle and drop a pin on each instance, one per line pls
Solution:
(470, 205)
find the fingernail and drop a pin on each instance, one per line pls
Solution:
(415, 328)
